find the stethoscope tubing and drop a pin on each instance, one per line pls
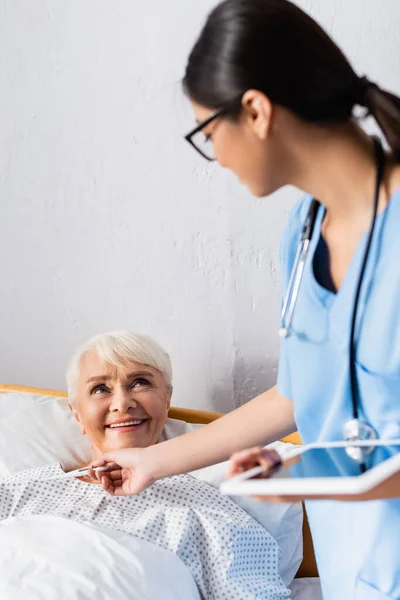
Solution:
(296, 275)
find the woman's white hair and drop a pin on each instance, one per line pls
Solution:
(119, 348)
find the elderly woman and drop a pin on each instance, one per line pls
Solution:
(120, 387)
(120, 390)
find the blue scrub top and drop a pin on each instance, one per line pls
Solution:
(357, 544)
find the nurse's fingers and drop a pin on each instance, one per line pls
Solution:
(101, 466)
(247, 459)
(113, 488)
(113, 475)
(113, 485)
(111, 466)
(243, 461)
(113, 472)
(270, 460)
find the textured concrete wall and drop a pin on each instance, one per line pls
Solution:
(109, 221)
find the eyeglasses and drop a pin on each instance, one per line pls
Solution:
(202, 142)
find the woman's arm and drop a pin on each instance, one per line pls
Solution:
(262, 420)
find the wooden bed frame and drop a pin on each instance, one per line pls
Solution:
(308, 567)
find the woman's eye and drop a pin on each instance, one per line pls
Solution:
(140, 383)
(207, 138)
(100, 389)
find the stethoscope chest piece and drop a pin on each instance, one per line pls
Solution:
(355, 431)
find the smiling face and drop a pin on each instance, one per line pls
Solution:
(120, 407)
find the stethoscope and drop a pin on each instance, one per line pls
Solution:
(355, 429)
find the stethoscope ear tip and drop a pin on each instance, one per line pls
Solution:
(283, 332)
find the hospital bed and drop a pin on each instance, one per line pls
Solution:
(306, 577)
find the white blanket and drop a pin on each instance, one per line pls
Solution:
(44, 557)
(227, 552)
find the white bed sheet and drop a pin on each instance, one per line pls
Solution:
(308, 588)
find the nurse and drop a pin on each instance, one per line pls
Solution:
(274, 99)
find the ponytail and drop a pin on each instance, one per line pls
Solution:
(385, 108)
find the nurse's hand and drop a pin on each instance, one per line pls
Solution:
(247, 459)
(129, 472)
(267, 458)
(270, 460)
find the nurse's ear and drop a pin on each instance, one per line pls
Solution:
(258, 112)
(77, 418)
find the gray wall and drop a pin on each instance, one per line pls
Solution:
(109, 221)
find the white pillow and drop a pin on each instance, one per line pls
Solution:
(39, 561)
(39, 430)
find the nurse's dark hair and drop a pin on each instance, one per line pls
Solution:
(276, 48)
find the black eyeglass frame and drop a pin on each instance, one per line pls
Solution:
(218, 113)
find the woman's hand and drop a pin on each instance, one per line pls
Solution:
(129, 472)
(270, 460)
(254, 457)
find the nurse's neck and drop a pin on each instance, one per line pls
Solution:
(337, 166)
